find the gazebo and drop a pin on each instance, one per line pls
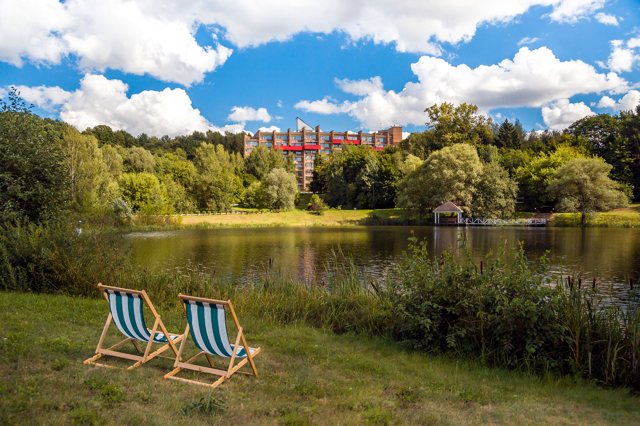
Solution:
(448, 207)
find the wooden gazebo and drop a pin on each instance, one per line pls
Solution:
(448, 207)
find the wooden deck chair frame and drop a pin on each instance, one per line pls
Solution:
(224, 375)
(172, 339)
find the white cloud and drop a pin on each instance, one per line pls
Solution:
(279, 104)
(270, 129)
(103, 101)
(360, 87)
(528, 40)
(158, 38)
(325, 106)
(532, 79)
(572, 10)
(607, 19)
(405, 135)
(119, 34)
(622, 58)
(561, 114)
(243, 114)
(627, 102)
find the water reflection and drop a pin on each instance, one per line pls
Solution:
(611, 255)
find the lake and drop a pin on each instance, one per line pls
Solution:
(608, 254)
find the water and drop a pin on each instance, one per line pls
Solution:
(611, 255)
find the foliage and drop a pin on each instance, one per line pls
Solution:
(535, 176)
(362, 178)
(56, 256)
(583, 185)
(319, 182)
(503, 315)
(450, 174)
(143, 192)
(280, 189)
(254, 196)
(495, 193)
(509, 136)
(262, 161)
(33, 179)
(206, 405)
(317, 205)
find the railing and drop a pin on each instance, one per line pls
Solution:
(502, 222)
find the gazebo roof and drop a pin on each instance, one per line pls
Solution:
(448, 207)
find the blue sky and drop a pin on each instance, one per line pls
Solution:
(165, 68)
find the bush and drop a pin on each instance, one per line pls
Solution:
(503, 313)
(317, 205)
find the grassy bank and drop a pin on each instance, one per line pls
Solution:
(307, 376)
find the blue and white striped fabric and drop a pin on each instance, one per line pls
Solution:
(209, 328)
(126, 310)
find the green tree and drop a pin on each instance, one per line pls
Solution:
(218, 185)
(33, 179)
(281, 188)
(583, 185)
(91, 184)
(450, 174)
(262, 161)
(495, 193)
(454, 124)
(143, 192)
(138, 160)
(508, 136)
(319, 182)
(254, 196)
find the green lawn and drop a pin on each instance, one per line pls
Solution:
(307, 376)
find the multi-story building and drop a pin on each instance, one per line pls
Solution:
(305, 143)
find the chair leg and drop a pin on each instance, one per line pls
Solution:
(137, 346)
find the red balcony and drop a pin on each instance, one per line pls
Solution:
(289, 148)
(337, 141)
(312, 147)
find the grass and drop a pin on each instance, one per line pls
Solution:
(307, 376)
(291, 218)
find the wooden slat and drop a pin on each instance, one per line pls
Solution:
(202, 369)
(213, 385)
(203, 300)
(120, 355)
(126, 290)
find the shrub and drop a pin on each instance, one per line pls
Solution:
(503, 314)
(317, 205)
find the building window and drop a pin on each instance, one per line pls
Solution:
(269, 145)
(367, 138)
(296, 138)
(249, 149)
(266, 137)
(324, 138)
(379, 139)
(299, 173)
(312, 137)
(296, 144)
(339, 137)
(311, 151)
(309, 165)
(327, 151)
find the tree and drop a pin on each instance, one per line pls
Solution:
(508, 136)
(262, 161)
(91, 184)
(535, 176)
(281, 188)
(584, 185)
(138, 160)
(33, 179)
(319, 182)
(450, 174)
(143, 192)
(495, 193)
(454, 124)
(254, 196)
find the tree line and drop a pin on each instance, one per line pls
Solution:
(47, 166)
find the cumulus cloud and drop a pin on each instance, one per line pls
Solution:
(119, 34)
(532, 79)
(528, 40)
(607, 19)
(243, 114)
(623, 56)
(270, 129)
(627, 102)
(561, 114)
(360, 87)
(103, 101)
(158, 38)
(325, 106)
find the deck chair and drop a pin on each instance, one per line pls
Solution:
(125, 308)
(207, 321)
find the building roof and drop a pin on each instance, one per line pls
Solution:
(448, 207)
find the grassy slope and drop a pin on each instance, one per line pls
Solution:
(306, 375)
(292, 218)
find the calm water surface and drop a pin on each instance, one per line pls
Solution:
(607, 254)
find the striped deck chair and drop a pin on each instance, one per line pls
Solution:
(125, 308)
(206, 319)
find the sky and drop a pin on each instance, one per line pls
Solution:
(170, 68)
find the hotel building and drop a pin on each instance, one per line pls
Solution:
(305, 143)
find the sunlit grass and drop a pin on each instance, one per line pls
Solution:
(307, 376)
